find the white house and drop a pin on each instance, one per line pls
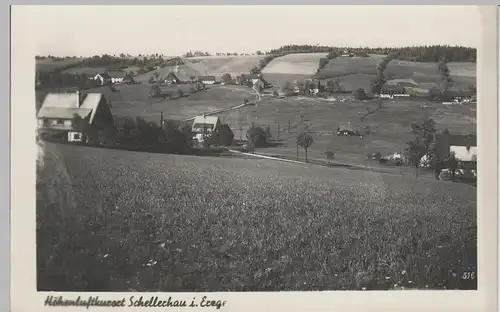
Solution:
(208, 80)
(204, 126)
(464, 154)
(59, 109)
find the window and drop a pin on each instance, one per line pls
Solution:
(76, 136)
(59, 122)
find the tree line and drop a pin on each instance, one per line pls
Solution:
(61, 80)
(137, 134)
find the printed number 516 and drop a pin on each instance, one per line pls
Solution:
(468, 275)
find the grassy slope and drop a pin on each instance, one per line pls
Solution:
(243, 225)
(219, 65)
(359, 71)
(208, 65)
(50, 65)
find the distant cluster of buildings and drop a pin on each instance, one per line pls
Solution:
(173, 78)
(113, 77)
(396, 91)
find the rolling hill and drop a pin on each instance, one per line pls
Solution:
(348, 70)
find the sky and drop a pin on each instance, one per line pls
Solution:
(174, 30)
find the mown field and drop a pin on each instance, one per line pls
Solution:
(299, 64)
(390, 126)
(125, 221)
(357, 72)
(219, 65)
(208, 65)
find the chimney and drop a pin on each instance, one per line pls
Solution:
(79, 97)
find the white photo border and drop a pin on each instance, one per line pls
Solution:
(24, 296)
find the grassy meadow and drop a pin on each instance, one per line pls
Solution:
(390, 126)
(149, 222)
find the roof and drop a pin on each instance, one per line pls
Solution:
(459, 93)
(62, 100)
(62, 113)
(203, 78)
(209, 120)
(256, 76)
(91, 102)
(66, 105)
(117, 74)
(456, 139)
(172, 75)
(393, 88)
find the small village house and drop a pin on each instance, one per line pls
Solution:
(207, 80)
(253, 79)
(204, 126)
(103, 78)
(347, 53)
(59, 109)
(464, 146)
(461, 96)
(172, 78)
(316, 87)
(111, 77)
(117, 77)
(393, 91)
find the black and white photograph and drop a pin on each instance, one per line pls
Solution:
(256, 149)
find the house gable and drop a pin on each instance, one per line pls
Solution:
(201, 123)
(445, 143)
(59, 109)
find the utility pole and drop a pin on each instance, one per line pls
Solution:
(161, 120)
(278, 130)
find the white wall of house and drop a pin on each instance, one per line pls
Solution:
(55, 123)
(462, 154)
(74, 136)
(100, 78)
(116, 80)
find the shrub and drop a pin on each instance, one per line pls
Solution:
(257, 137)
(329, 155)
(359, 94)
